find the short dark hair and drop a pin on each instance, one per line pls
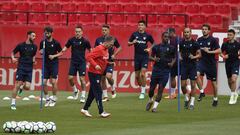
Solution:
(105, 26)
(108, 38)
(207, 25)
(169, 30)
(30, 32)
(231, 31)
(79, 26)
(142, 21)
(48, 29)
(165, 33)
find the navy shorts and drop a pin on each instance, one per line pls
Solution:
(174, 71)
(109, 69)
(188, 71)
(77, 67)
(232, 68)
(209, 70)
(160, 80)
(51, 70)
(24, 74)
(140, 62)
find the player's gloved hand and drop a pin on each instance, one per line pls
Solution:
(51, 57)
(98, 67)
(14, 60)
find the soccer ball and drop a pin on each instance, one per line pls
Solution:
(39, 127)
(51, 127)
(7, 127)
(26, 128)
(15, 127)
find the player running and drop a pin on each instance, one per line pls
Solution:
(109, 70)
(140, 41)
(52, 51)
(98, 59)
(27, 51)
(208, 64)
(230, 52)
(78, 45)
(163, 56)
(190, 51)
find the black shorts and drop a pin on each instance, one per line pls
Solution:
(188, 71)
(24, 74)
(77, 67)
(209, 70)
(232, 68)
(140, 62)
(51, 71)
(109, 69)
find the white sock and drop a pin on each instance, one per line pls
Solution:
(74, 88)
(192, 100)
(83, 93)
(13, 101)
(215, 98)
(233, 93)
(186, 97)
(47, 97)
(105, 93)
(155, 104)
(173, 91)
(202, 91)
(143, 89)
(113, 88)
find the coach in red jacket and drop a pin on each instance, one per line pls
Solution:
(98, 59)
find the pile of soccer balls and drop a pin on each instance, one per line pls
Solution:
(29, 127)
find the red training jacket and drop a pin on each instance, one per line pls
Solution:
(98, 56)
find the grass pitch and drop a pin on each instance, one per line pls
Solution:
(128, 116)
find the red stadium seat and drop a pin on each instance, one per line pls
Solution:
(125, 1)
(49, 1)
(131, 8)
(171, 1)
(133, 19)
(84, 8)
(57, 19)
(79, 1)
(186, 2)
(8, 6)
(161, 9)
(72, 19)
(141, 2)
(233, 2)
(8, 18)
(34, 1)
(86, 19)
(22, 18)
(180, 21)
(197, 20)
(69, 7)
(208, 9)
(145, 8)
(177, 9)
(38, 18)
(202, 2)
(100, 19)
(217, 2)
(224, 10)
(23, 7)
(38, 7)
(65, 1)
(110, 1)
(53, 7)
(156, 1)
(116, 19)
(165, 20)
(99, 8)
(192, 9)
(215, 21)
(115, 8)
(94, 1)
(152, 20)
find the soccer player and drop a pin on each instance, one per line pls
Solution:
(190, 51)
(163, 55)
(78, 45)
(140, 41)
(208, 64)
(52, 51)
(230, 52)
(98, 59)
(174, 40)
(109, 70)
(27, 51)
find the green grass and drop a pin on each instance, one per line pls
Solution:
(128, 117)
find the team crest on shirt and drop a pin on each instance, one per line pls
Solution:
(190, 45)
(144, 38)
(167, 49)
(200, 43)
(136, 37)
(208, 43)
(52, 45)
(80, 43)
(98, 81)
(184, 45)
